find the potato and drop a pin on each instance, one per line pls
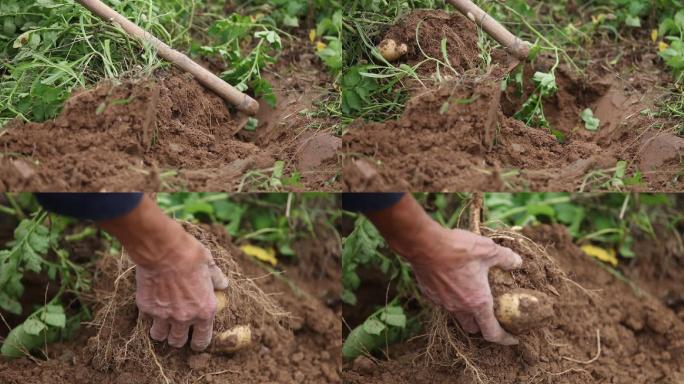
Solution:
(391, 51)
(232, 340)
(520, 310)
(221, 300)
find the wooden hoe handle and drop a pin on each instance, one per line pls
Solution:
(513, 44)
(241, 101)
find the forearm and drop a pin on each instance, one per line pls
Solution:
(406, 227)
(146, 232)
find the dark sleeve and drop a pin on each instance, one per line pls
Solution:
(90, 206)
(368, 202)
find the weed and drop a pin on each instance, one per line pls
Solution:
(37, 248)
(244, 64)
(47, 48)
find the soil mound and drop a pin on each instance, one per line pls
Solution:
(603, 331)
(170, 133)
(295, 335)
(460, 134)
(423, 31)
(127, 136)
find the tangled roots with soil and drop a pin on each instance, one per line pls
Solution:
(123, 338)
(449, 346)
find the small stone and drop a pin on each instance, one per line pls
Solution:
(24, 169)
(639, 359)
(362, 364)
(297, 357)
(518, 148)
(299, 376)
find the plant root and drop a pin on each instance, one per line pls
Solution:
(122, 336)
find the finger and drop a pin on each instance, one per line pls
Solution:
(178, 335)
(506, 259)
(467, 322)
(201, 334)
(491, 329)
(160, 329)
(218, 278)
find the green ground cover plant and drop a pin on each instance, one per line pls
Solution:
(40, 243)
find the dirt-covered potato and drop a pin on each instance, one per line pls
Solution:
(232, 340)
(520, 310)
(391, 50)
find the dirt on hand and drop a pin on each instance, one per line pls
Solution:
(459, 133)
(295, 331)
(603, 331)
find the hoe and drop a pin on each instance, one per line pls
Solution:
(226, 91)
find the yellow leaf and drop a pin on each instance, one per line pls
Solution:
(320, 46)
(262, 254)
(654, 35)
(605, 255)
(312, 35)
(662, 46)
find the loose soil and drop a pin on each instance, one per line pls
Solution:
(659, 265)
(296, 328)
(641, 339)
(459, 133)
(169, 133)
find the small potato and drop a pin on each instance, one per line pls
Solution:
(232, 340)
(221, 300)
(391, 51)
(522, 309)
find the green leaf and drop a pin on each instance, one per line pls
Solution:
(590, 122)
(348, 297)
(546, 80)
(33, 326)
(54, 319)
(18, 341)
(633, 21)
(394, 316)
(626, 248)
(290, 21)
(358, 342)
(9, 304)
(32, 261)
(373, 326)
(251, 125)
(541, 210)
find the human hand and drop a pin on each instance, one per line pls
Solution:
(452, 270)
(451, 266)
(175, 275)
(180, 295)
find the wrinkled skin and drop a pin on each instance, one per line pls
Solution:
(175, 275)
(454, 274)
(181, 296)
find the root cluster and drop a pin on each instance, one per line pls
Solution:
(122, 337)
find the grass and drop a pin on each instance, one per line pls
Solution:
(49, 47)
